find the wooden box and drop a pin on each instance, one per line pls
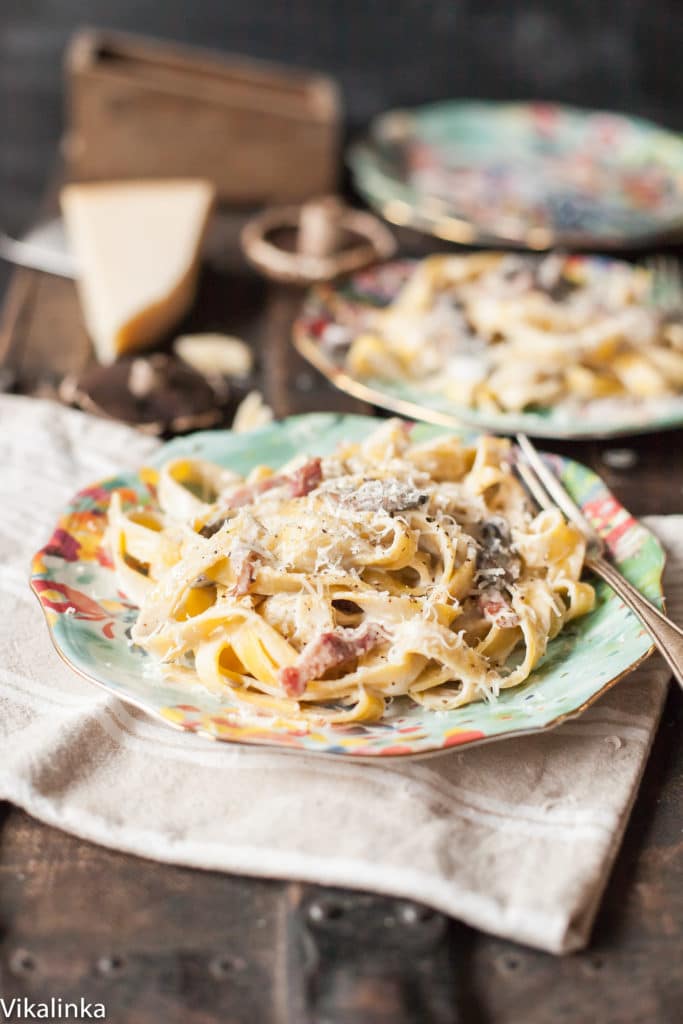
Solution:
(138, 108)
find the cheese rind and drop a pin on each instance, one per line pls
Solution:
(137, 246)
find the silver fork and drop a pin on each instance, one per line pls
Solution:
(666, 290)
(548, 492)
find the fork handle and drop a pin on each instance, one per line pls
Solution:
(667, 636)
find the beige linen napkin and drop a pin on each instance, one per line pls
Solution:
(515, 837)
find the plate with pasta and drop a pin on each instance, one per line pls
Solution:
(552, 346)
(342, 585)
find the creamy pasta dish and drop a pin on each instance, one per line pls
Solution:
(507, 333)
(325, 588)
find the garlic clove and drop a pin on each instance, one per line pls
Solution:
(213, 354)
(252, 412)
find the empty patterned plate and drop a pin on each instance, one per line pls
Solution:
(532, 174)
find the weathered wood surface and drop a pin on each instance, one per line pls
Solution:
(159, 943)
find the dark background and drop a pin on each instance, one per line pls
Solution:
(620, 54)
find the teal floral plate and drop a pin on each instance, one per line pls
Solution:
(532, 174)
(334, 312)
(90, 618)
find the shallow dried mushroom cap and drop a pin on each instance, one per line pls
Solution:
(213, 354)
(157, 393)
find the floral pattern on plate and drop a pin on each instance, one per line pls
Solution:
(537, 174)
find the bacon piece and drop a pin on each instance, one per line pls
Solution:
(245, 568)
(248, 494)
(306, 478)
(297, 484)
(327, 651)
(497, 609)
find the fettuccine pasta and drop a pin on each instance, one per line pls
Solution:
(323, 589)
(508, 333)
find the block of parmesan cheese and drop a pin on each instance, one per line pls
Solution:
(137, 246)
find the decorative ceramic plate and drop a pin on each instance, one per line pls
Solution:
(532, 174)
(90, 619)
(334, 312)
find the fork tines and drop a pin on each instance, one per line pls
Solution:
(549, 492)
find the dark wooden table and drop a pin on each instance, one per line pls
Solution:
(165, 944)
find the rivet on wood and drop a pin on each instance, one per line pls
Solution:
(593, 965)
(22, 963)
(326, 910)
(110, 965)
(414, 913)
(620, 458)
(223, 965)
(508, 963)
